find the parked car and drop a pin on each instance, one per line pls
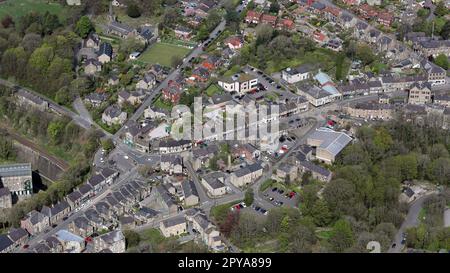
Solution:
(274, 189)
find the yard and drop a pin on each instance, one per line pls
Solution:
(325, 57)
(162, 54)
(18, 8)
(212, 90)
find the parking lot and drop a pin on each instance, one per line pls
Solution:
(279, 197)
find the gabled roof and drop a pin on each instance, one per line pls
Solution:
(105, 48)
(331, 140)
(5, 242)
(189, 189)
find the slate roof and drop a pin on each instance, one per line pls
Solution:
(315, 168)
(5, 242)
(105, 48)
(174, 221)
(189, 188)
(331, 140)
(16, 234)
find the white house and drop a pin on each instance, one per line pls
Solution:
(300, 73)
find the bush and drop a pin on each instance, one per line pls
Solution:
(133, 11)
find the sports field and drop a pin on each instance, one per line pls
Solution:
(17, 8)
(162, 54)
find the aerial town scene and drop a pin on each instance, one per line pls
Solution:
(224, 126)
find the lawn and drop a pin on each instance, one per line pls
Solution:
(18, 8)
(212, 90)
(325, 57)
(162, 54)
(159, 103)
(220, 212)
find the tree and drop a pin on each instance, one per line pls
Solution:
(83, 27)
(263, 34)
(63, 96)
(170, 17)
(445, 31)
(274, 7)
(175, 61)
(321, 213)
(7, 151)
(31, 41)
(423, 13)
(342, 236)
(249, 197)
(364, 53)
(7, 21)
(55, 131)
(132, 238)
(133, 11)
(441, 9)
(107, 145)
(442, 61)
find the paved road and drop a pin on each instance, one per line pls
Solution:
(84, 122)
(411, 220)
(79, 106)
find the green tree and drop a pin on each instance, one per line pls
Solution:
(445, 31)
(342, 236)
(321, 213)
(55, 131)
(107, 144)
(274, 7)
(441, 9)
(133, 11)
(7, 151)
(132, 238)
(249, 197)
(442, 61)
(63, 96)
(84, 26)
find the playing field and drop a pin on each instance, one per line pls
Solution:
(17, 8)
(162, 54)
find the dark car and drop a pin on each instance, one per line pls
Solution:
(54, 225)
(393, 245)
(274, 189)
(280, 191)
(278, 86)
(65, 218)
(259, 72)
(257, 208)
(263, 211)
(26, 246)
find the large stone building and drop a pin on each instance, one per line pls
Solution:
(328, 143)
(370, 110)
(17, 178)
(420, 93)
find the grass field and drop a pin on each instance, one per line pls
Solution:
(212, 90)
(18, 8)
(162, 54)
